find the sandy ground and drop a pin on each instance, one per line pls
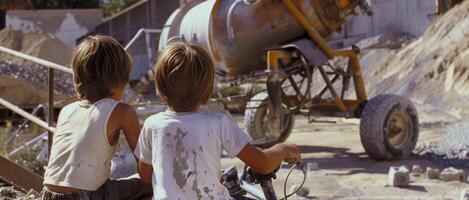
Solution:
(346, 172)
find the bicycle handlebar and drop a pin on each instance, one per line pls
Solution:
(239, 188)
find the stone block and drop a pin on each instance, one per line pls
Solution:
(452, 174)
(398, 176)
(432, 173)
(312, 166)
(417, 170)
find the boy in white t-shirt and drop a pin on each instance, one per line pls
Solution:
(180, 149)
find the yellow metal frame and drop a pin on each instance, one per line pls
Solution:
(354, 62)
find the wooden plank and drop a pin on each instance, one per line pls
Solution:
(19, 177)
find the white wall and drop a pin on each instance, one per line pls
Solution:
(400, 16)
(67, 25)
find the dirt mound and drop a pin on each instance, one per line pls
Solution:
(434, 69)
(38, 45)
(386, 41)
(23, 82)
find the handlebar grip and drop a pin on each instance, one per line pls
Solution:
(302, 167)
(291, 160)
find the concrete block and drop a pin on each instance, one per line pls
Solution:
(465, 194)
(398, 176)
(452, 174)
(417, 170)
(432, 173)
(312, 166)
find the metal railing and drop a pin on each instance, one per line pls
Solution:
(147, 33)
(50, 98)
(50, 82)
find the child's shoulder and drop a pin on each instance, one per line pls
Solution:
(69, 107)
(210, 117)
(154, 120)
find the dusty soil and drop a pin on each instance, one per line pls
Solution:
(346, 172)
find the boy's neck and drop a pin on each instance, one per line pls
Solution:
(92, 101)
(170, 108)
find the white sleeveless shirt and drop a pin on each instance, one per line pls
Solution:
(81, 153)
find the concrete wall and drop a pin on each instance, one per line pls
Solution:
(401, 16)
(67, 25)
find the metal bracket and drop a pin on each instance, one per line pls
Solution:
(309, 50)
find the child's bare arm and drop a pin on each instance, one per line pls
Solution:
(265, 161)
(130, 126)
(145, 171)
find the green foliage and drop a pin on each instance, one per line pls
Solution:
(48, 4)
(3, 137)
(25, 158)
(111, 7)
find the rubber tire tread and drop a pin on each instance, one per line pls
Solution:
(372, 131)
(252, 107)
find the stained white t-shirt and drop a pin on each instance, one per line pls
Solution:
(81, 153)
(185, 151)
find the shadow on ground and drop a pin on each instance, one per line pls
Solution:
(342, 159)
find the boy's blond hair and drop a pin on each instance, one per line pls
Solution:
(184, 76)
(99, 63)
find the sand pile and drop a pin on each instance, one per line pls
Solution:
(38, 45)
(24, 82)
(433, 70)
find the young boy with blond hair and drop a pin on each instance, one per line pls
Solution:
(88, 130)
(180, 149)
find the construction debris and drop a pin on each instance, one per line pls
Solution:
(432, 173)
(417, 170)
(398, 176)
(452, 174)
(452, 149)
(10, 193)
(312, 166)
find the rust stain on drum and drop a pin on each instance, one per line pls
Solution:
(213, 45)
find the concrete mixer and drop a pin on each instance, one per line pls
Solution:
(282, 44)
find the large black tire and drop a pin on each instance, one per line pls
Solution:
(256, 111)
(389, 127)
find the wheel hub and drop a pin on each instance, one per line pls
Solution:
(399, 127)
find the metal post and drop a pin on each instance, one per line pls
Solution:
(148, 46)
(50, 108)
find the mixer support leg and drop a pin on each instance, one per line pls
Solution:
(274, 89)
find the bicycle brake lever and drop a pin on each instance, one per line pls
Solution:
(302, 167)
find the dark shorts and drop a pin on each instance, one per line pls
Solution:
(130, 189)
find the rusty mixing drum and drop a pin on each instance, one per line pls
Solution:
(237, 33)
